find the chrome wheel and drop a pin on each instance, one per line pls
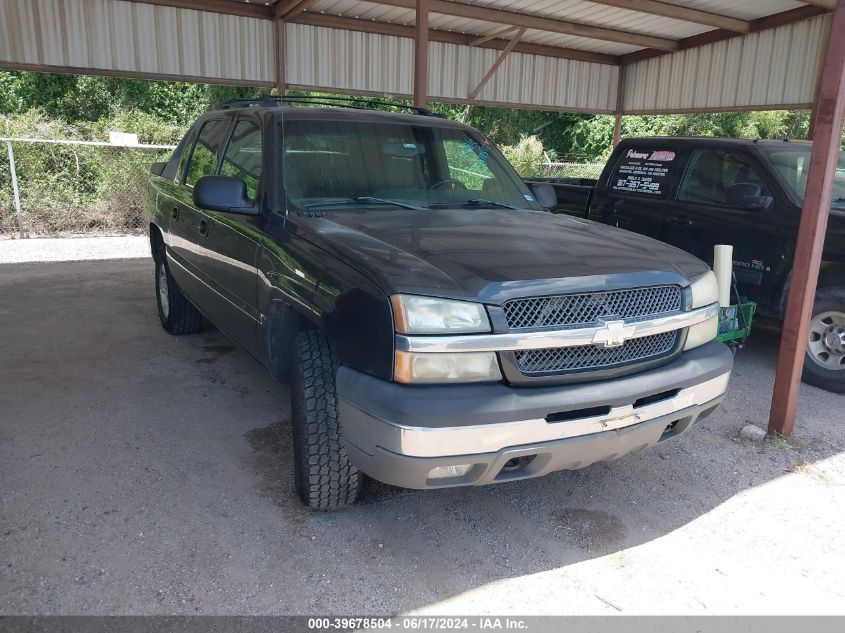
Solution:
(163, 297)
(826, 343)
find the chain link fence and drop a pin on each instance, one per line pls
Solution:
(73, 187)
(573, 167)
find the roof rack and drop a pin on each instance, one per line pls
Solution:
(357, 103)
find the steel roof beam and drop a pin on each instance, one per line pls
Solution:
(225, 7)
(499, 60)
(508, 30)
(824, 156)
(289, 9)
(830, 5)
(421, 54)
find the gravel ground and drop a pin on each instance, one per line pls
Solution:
(62, 249)
(146, 474)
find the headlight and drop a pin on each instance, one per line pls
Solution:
(422, 368)
(705, 291)
(428, 315)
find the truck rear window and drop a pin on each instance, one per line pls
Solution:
(643, 171)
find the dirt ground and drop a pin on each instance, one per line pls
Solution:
(142, 473)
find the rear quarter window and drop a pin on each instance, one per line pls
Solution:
(644, 171)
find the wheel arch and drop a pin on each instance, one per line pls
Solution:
(831, 275)
(156, 237)
(281, 326)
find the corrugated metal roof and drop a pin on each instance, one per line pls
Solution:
(346, 60)
(765, 69)
(407, 17)
(599, 15)
(771, 68)
(527, 80)
(577, 11)
(132, 37)
(742, 9)
(365, 11)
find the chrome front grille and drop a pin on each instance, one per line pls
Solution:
(541, 362)
(587, 308)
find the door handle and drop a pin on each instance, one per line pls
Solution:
(175, 213)
(202, 228)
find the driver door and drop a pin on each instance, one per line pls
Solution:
(227, 244)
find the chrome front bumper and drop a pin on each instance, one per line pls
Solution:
(415, 441)
(399, 434)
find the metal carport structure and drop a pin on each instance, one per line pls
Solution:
(593, 56)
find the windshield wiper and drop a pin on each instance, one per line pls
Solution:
(404, 205)
(479, 202)
(365, 199)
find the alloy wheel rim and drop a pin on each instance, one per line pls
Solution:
(826, 341)
(163, 298)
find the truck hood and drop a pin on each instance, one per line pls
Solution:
(474, 253)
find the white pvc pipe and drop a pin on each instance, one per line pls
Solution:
(723, 267)
(17, 194)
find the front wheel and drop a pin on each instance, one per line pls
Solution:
(824, 360)
(325, 479)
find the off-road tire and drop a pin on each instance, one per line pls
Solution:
(179, 316)
(827, 300)
(325, 480)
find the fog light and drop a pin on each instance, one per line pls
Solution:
(442, 472)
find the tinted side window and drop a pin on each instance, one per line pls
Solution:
(204, 156)
(643, 170)
(712, 172)
(186, 154)
(243, 156)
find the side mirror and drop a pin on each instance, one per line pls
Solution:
(223, 193)
(157, 169)
(747, 195)
(544, 194)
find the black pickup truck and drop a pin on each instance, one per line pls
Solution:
(438, 327)
(695, 193)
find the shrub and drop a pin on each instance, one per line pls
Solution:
(527, 156)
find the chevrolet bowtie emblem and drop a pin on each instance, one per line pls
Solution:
(612, 333)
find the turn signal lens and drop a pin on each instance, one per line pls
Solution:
(701, 333)
(434, 368)
(705, 292)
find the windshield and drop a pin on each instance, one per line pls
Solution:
(344, 164)
(792, 162)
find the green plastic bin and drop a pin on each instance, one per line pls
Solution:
(735, 321)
